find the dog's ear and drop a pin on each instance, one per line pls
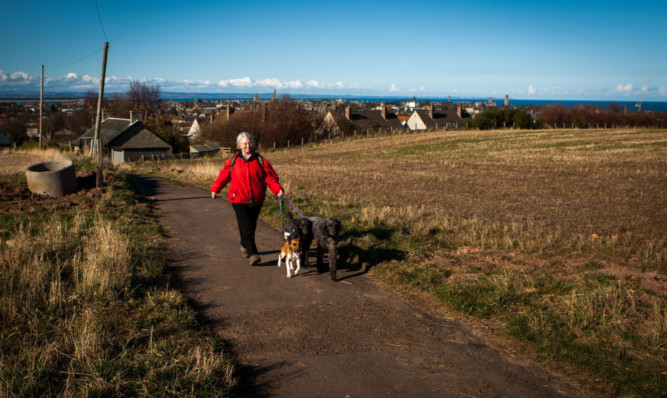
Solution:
(334, 225)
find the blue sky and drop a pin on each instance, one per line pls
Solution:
(579, 50)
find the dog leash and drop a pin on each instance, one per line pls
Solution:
(282, 213)
(295, 209)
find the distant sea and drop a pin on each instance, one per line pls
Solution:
(630, 106)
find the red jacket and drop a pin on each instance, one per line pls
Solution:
(249, 180)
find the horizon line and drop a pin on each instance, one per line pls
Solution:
(8, 96)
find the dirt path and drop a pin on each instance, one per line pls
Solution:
(311, 337)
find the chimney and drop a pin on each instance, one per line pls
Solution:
(229, 111)
(135, 116)
(430, 110)
(384, 111)
(459, 111)
(212, 117)
(507, 99)
(347, 112)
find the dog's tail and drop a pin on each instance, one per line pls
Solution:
(289, 216)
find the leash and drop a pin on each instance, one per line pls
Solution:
(295, 209)
(282, 214)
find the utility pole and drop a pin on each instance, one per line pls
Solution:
(99, 180)
(41, 107)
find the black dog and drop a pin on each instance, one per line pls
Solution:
(301, 228)
(326, 234)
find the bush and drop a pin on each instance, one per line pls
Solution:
(28, 145)
(503, 118)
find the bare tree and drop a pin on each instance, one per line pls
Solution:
(144, 97)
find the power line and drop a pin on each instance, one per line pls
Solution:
(78, 60)
(100, 17)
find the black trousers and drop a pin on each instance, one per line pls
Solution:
(246, 217)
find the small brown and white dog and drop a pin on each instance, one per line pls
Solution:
(290, 252)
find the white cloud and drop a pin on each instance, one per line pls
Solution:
(271, 82)
(624, 88)
(420, 90)
(294, 85)
(74, 81)
(243, 82)
(19, 76)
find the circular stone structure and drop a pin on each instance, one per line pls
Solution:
(56, 178)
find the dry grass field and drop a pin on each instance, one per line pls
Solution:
(569, 194)
(18, 161)
(86, 305)
(558, 234)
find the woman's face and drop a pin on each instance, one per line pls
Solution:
(246, 146)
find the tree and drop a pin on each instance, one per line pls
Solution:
(16, 130)
(144, 97)
(522, 119)
(119, 107)
(277, 122)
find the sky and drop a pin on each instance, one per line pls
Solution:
(557, 50)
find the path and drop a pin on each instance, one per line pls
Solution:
(311, 337)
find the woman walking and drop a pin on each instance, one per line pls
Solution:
(250, 174)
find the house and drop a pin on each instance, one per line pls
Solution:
(125, 140)
(329, 126)
(5, 141)
(403, 119)
(381, 119)
(209, 149)
(195, 129)
(64, 136)
(433, 119)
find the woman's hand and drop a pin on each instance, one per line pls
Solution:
(280, 193)
(213, 195)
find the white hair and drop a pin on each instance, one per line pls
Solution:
(243, 135)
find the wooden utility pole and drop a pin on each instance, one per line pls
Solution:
(41, 107)
(99, 180)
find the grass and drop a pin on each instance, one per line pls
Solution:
(88, 308)
(559, 234)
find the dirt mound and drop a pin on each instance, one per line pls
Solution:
(18, 199)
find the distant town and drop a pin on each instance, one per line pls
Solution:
(140, 123)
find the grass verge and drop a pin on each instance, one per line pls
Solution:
(87, 305)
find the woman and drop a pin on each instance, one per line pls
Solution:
(250, 174)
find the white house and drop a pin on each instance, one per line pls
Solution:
(194, 131)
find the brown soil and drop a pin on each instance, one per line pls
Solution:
(18, 199)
